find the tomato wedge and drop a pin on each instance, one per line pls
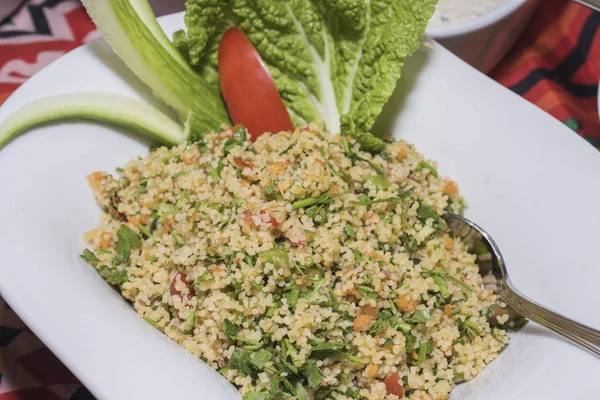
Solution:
(248, 89)
(393, 385)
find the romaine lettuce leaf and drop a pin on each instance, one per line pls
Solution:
(335, 62)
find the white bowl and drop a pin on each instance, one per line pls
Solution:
(483, 41)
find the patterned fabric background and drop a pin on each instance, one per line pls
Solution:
(554, 65)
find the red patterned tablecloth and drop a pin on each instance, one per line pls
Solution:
(555, 64)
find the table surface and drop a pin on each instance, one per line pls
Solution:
(554, 65)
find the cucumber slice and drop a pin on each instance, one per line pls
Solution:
(131, 29)
(119, 110)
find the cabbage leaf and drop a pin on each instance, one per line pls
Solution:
(335, 62)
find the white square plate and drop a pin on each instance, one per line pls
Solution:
(529, 180)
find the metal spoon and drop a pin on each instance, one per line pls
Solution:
(495, 277)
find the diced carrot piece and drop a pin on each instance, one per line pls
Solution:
(277, 167)
(168, 225)
(448, 310)
(188, 158)
(105, 240)
(215, 269)
(361, 322)
(402, 152)
(370, 311)
(372, 370)
(405, 303)
(450, 188)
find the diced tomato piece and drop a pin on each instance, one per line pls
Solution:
(180, 276)
(248, 88)
(248, 218)
(240, 163)
(393, 384)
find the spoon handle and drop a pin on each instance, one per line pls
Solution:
(593, 4)
(579, 334)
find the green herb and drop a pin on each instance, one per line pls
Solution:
(261, 358)
(301, 393)
(178, 239)
(323, 394)
(151, 322)
(311, 201)
(293, 297)
(410, 243)
(163, 210)
(425, 349)
(442, 274)
(271, 311)
(228, 328)
(516, 325)
(271, 189)
(239, 138)
(143, 187)
(468, 327)
(291, 146)
(112, 276)
(423, 165)
(256, 396)
(461, 283)
(327, 346)
(410, 343)
(206, 276)
(366, 201)
(145, 232)
(358, 257)
(240, 360)
(399, 325)
(441, 284)
(191, 319)
(126, 239)
(487, 313)
(328, 166)
(420, 316)
(278, 257)
(367, 291)
(349, 229)
(379, 182)
(425, 212)
(385, 156)
(216, 172)
(335, 354)
(181, 173)
(378, 326)
(89, 257)
(314, 374)
(120, 170)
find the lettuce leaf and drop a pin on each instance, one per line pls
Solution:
(335, 62)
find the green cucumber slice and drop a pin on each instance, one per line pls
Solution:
(119, 110)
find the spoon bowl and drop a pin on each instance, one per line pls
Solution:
(518, 306)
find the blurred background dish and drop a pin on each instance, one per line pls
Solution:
(480, 31)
